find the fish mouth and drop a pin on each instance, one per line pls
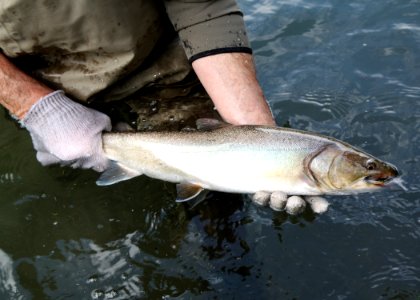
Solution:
(384, 177)
(380, 179)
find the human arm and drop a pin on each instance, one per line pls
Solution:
(14, 84)
(215, 42)
(62, 130)
(231, 82)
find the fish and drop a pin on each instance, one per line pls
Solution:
(244, 159)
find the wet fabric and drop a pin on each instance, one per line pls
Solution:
(110, 49)
(208, 27)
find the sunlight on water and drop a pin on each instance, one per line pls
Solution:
(404, 26)
(7, 280)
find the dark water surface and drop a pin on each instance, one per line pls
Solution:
(349, 69)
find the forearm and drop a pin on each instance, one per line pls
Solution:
(18, 91)
(230, 80)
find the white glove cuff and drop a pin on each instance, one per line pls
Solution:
(55, 101)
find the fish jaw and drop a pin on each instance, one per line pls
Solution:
(386, 174)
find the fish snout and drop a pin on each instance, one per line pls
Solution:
(385, 175)
(394, 171)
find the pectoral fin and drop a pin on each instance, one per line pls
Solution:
(116, 173)
(187, 191)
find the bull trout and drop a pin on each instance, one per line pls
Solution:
(244, 159)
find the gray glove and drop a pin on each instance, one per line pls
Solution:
(66, 132)
(293, 205)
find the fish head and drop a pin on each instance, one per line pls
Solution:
(355, 171)
(344, 170)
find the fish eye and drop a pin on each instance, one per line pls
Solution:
(371, 165)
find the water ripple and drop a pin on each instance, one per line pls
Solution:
(12, 162)
(9, 288)
(400, 268)
(405, 26)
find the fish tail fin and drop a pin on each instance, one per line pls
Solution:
(115, 173)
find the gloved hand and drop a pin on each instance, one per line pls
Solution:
(66, 132)
(293, 205)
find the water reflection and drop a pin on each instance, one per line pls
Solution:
(8, 284)
(172, 252)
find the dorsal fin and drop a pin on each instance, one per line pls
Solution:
(205, 124)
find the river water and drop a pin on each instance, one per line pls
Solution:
(348, 69)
